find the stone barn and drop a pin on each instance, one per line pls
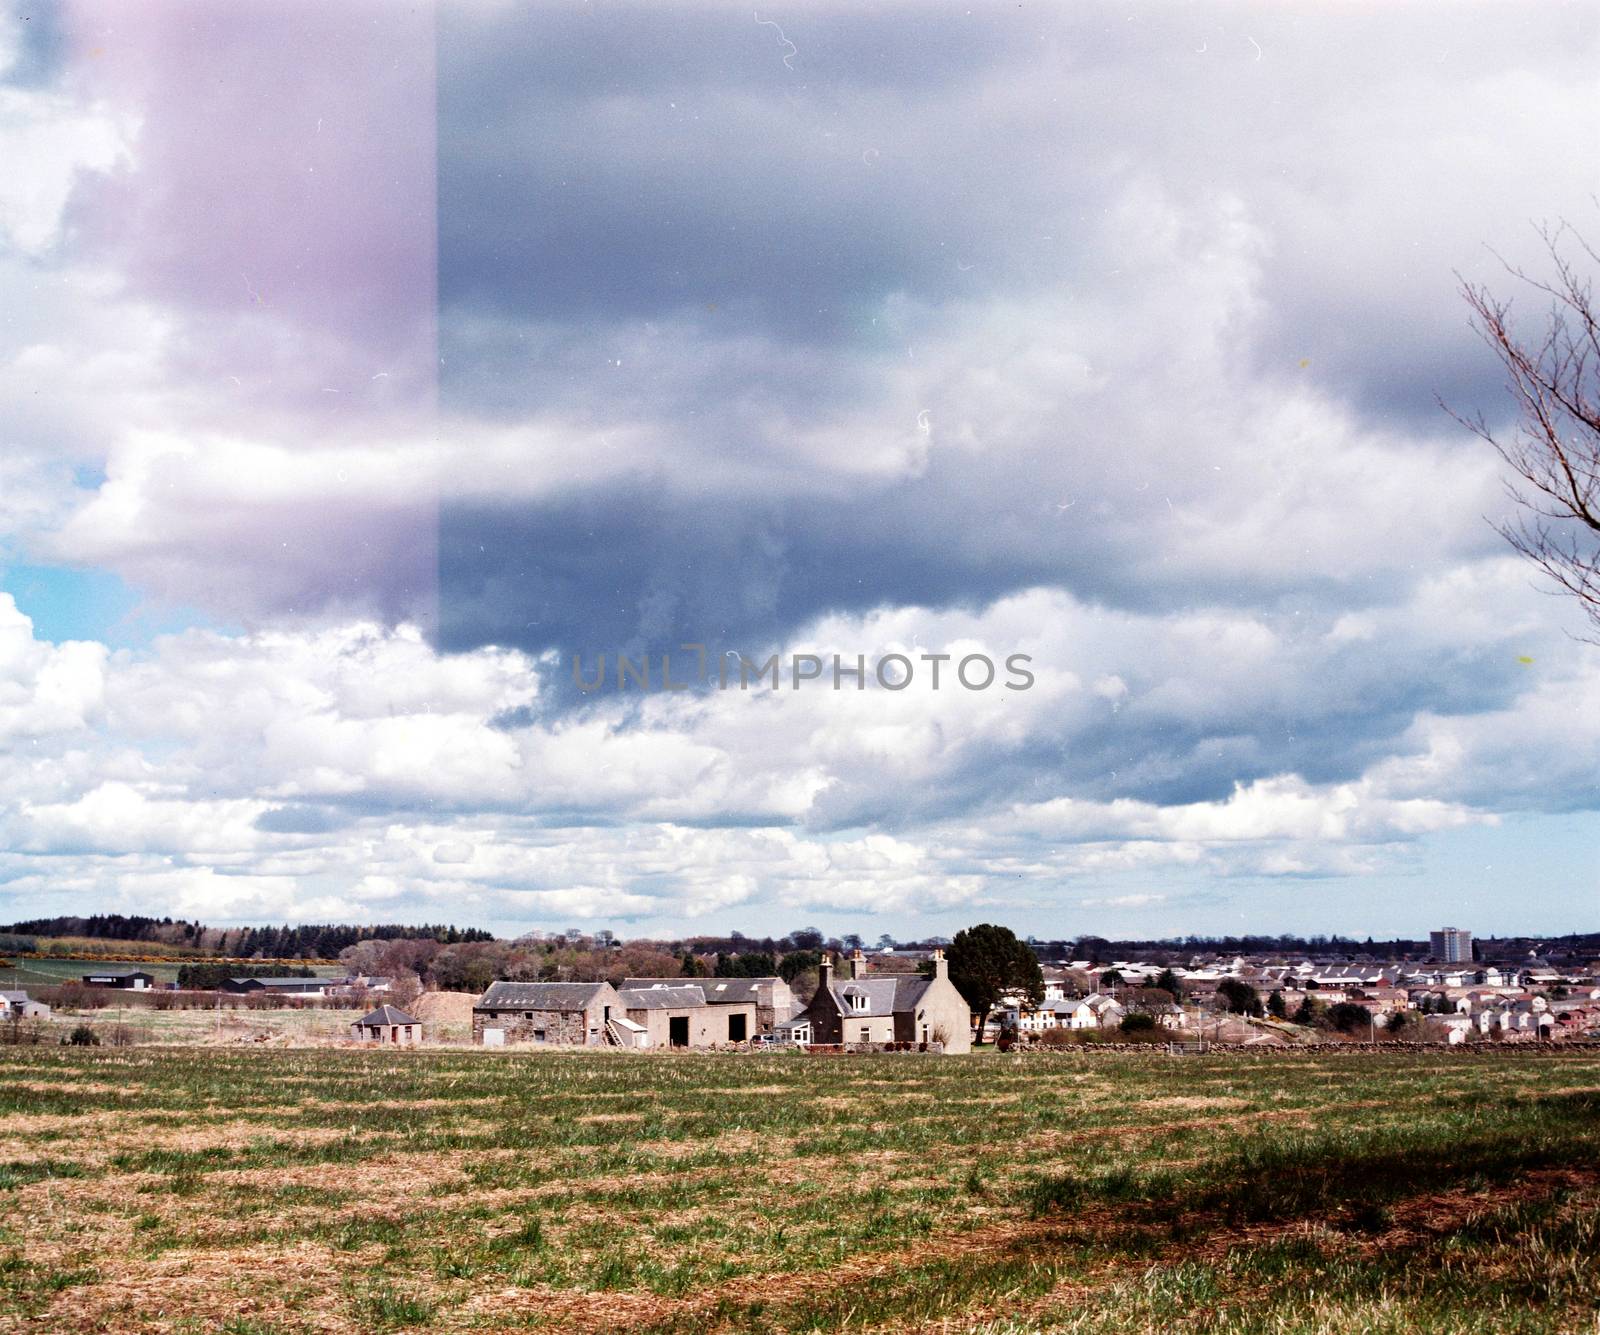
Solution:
(681, 1016)
(573, 1014)
(388, 1025)
(770, 997)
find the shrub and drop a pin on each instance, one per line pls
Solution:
(1138, 1023)
(82, 1037)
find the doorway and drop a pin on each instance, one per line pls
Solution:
(678, 1031)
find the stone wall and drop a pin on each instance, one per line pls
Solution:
(569, 1027)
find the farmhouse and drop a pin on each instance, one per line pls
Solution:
(899, 1008)
(136, 979)
(578, 1014)
(388, 1025)
(770, 996)
(681, 1016)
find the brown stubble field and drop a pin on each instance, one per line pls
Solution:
(262, 1190)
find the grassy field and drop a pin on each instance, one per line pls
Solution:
(321, 1190)
(29, 972)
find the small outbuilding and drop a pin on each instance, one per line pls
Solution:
(388, 1025)
(19, 1006)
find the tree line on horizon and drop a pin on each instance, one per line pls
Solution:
(306, 941)
(731, 955)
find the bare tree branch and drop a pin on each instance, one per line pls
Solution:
(1553, 450)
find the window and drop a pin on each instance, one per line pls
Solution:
(866, 1033)
(858, 1001)
(538, 1035)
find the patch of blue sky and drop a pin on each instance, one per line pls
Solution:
(71, 604)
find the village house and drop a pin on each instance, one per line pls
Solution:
(134, 979)
(681, 1016)
(891, 1008)
(575, 1014)
(770, 997)
(388, 1025)
(1095, 1011)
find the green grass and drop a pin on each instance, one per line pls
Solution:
(448, 1191)
(46, 972)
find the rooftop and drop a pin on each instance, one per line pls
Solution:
(387, 1015)
(539, 996)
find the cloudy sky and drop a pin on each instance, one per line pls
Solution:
(361, 364)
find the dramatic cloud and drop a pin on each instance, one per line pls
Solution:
(403, 353)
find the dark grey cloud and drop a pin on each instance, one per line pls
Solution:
(654, 217)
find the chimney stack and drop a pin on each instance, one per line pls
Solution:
(858, 965)
(825, 972)
(941, 966)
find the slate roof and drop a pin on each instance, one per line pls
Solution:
(885, 995)
(538, 996)
(718, 991)
(387, 1015)
(15, 998)
(661, 998)
(288, 984)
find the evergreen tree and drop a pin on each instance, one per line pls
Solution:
(987, 961)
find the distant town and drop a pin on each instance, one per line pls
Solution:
(167, 980)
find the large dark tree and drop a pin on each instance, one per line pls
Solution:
(1239, 997)
(987, 961)
(1553, 450)
(1349, 1018)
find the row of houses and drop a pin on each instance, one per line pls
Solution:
(1305, 975)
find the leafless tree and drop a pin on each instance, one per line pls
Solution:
(1554, 448)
